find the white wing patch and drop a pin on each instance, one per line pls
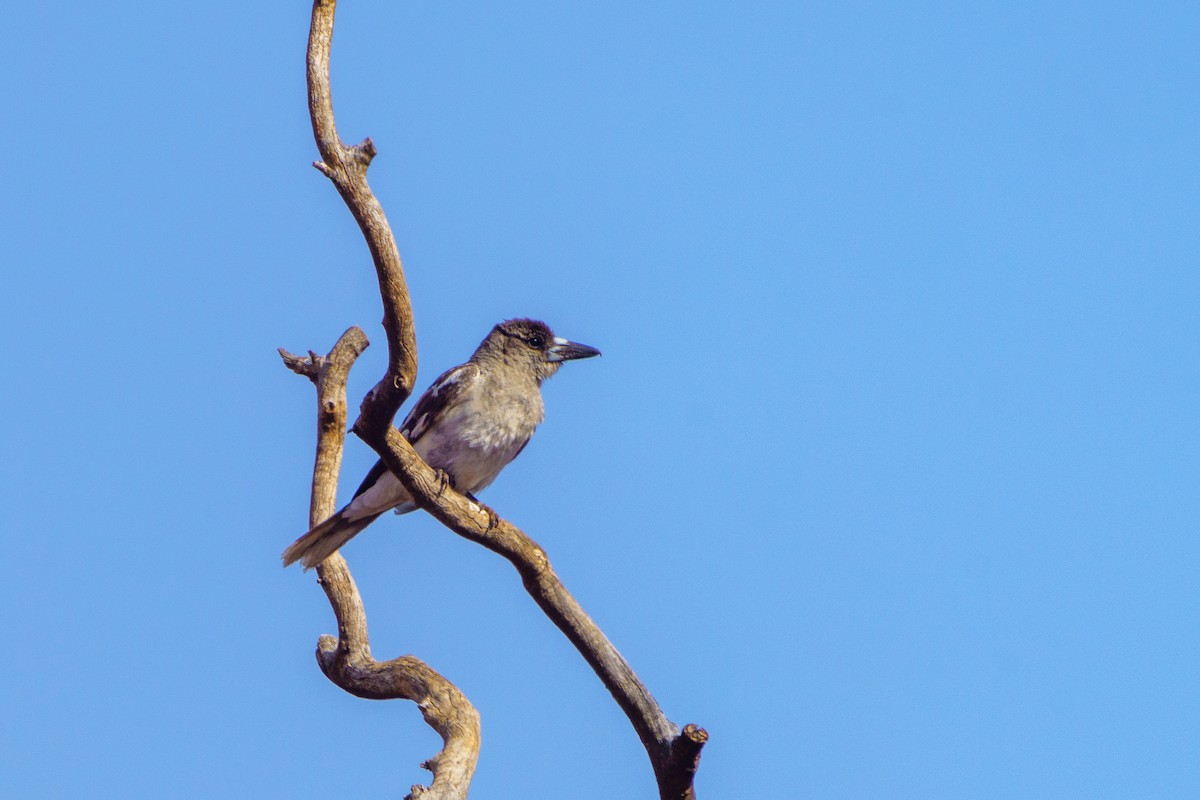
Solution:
(417, 428)
(431, 407)
(449, 379)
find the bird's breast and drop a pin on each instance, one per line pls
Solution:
(476, 440)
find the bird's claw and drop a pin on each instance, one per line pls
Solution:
(444, 481)
(493, 518)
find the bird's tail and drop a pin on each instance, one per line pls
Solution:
(324, 540)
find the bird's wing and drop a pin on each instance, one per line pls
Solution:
(443, 394)
(430, 408)
(375, 474)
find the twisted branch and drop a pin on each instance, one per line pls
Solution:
(674, 754)
(346, 167)
(346, 660)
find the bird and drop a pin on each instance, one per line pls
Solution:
(470, 423)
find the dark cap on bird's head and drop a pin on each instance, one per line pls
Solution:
(532, 342)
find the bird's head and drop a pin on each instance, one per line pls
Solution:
(531, 344)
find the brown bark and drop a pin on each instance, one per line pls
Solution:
(674, 754)
(346, 660)
(347, 167)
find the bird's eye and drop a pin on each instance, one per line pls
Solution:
(536, 342)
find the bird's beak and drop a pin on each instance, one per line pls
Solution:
(563, 350)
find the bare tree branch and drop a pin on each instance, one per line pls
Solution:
(347, 168)
(346, 660)
(673, 754)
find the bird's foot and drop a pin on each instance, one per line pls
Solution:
(444, 481)
(493, 519)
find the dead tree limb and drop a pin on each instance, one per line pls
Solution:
(346, 660)
(347, 167)
(674, 754)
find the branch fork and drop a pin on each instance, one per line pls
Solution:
(674, 754)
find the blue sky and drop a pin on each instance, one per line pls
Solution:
(888, 476)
